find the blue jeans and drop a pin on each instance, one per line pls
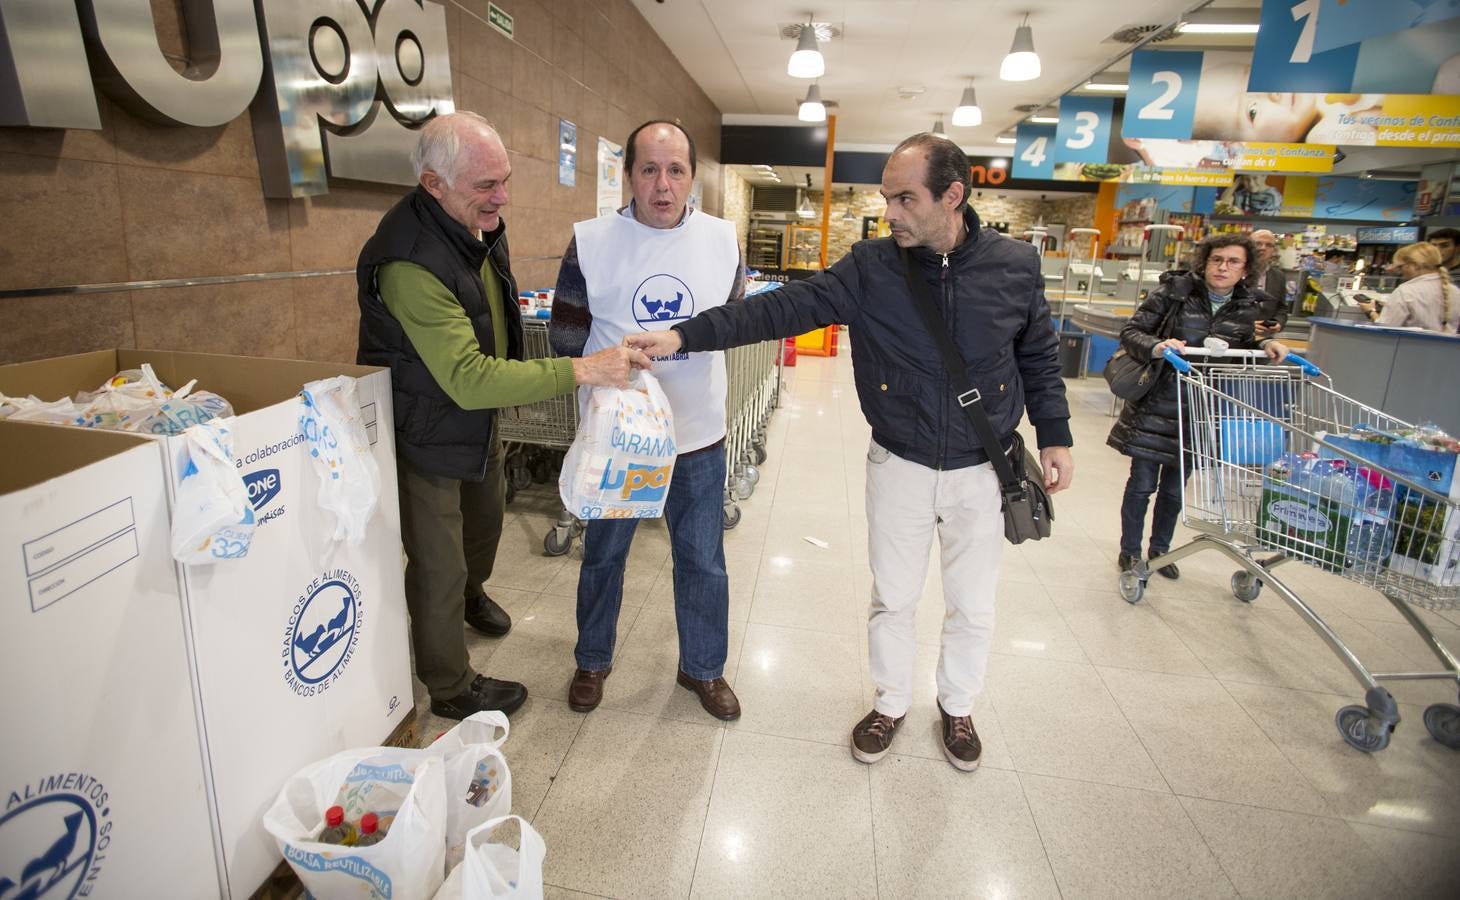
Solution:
(1147, 478)
(693, 511)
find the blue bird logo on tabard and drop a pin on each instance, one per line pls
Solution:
(660, 301)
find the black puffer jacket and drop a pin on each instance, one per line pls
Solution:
(1147, 427)
(992, 299)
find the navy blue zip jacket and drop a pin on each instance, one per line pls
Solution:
(992, 299)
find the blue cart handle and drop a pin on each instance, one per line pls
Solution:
(1308, 368)
(1177, 361)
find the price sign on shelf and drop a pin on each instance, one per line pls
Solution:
(1083, 134)
(1034, 151)
(1161, 102)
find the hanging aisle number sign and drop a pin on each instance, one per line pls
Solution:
(1161, 102)
(1083, 134)
(1034, 151)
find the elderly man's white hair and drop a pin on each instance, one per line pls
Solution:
(439, 146)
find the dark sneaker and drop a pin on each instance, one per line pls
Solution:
(585, 691)
(960, 742)
(483, 614)
(1126, 562)
(483, 694)
(872, 736)
(1170, 571)
(716, 696)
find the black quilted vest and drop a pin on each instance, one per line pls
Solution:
(432, 433)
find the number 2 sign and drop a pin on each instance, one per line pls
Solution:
(1161, 102)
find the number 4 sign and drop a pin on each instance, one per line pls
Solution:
(1034, 151)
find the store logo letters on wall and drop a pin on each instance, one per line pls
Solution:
(334, 90)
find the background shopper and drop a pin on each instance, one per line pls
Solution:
(1268, 278)
(1213, 301)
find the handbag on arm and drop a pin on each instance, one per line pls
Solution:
(1028, 512)
(1130, 379)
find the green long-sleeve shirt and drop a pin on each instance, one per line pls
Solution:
(474, 377)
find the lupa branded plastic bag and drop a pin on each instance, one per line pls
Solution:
(213, 519)
(622, 458)
(339, 451)
(405, 789)
(478, 781)
(496, 871)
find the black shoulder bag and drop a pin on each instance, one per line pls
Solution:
(1027, 509)
(1130, 379)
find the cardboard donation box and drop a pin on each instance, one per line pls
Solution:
(102, 788)
(299, 649)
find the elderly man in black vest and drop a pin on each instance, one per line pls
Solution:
(438, 305)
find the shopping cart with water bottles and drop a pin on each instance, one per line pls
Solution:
(1284, 468)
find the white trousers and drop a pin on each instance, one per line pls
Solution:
(906, 504)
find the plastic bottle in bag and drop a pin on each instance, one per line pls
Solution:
(336, 829)
(370, 832)
(1371, 533)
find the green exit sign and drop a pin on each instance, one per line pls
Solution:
(499, 19)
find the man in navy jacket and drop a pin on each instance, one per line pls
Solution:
(927, 473)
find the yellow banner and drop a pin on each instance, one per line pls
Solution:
(1408, 120)
(1194, 177)
(1256, 156)
(1398, 120)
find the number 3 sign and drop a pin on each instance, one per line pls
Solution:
(1084, 130)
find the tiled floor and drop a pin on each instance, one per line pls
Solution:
(1180, 748)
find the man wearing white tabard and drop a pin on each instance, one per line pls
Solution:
(653, 264)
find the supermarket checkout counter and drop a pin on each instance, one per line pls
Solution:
(1407, 373)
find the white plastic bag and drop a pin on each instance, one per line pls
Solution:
(405, 788)
(214, 519)
(478, 781)
(32, 409)
(137, 400)
(334, 430)
(622, 458)
(496, 871)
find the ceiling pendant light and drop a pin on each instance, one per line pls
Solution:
(938, 128)
(804, 208)
(967, 115)
(807, 61)
(1022, 63)
(812, 109)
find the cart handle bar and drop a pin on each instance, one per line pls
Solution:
(1184, 367)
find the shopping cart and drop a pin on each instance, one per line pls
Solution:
(549, 424)
(1274, 478)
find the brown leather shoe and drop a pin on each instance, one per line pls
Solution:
(960, 742)
(872, 736)
(585, 691)
(716, 696)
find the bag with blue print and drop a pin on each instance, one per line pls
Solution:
(212, 518)
(339, 452)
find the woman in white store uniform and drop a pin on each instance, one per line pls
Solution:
(1425, 300)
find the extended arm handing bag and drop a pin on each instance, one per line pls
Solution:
(1130, 379)
(1028, 512)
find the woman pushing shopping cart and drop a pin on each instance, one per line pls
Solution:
(1284, 468)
